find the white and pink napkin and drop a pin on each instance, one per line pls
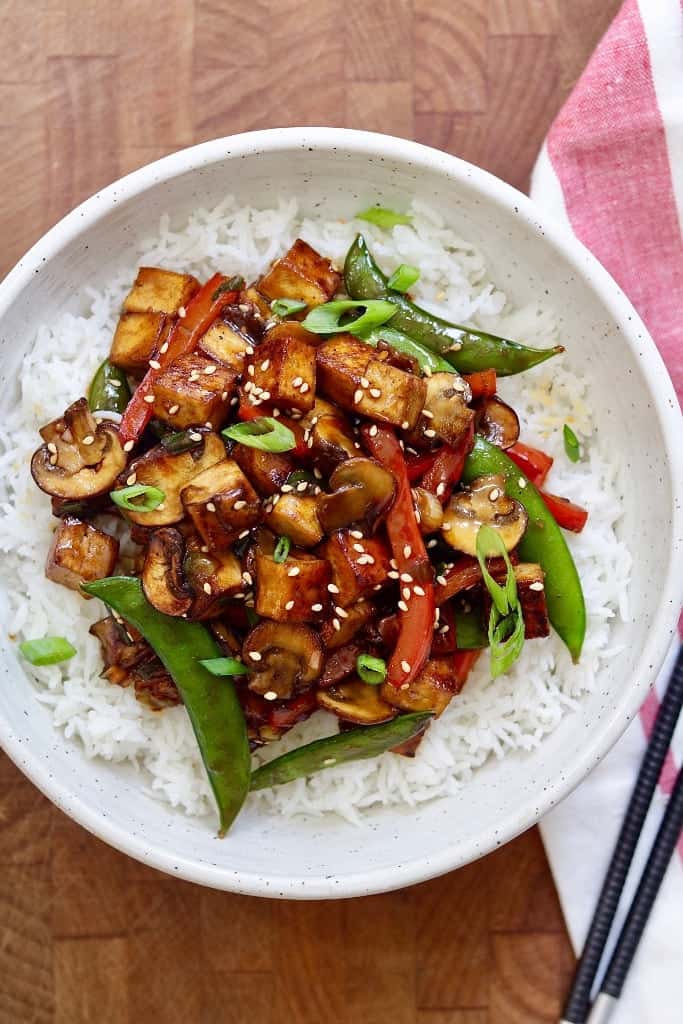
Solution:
(612, 170)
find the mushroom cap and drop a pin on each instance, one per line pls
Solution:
(484, 502)
(78, 480)
(362, 491)
(289, 658)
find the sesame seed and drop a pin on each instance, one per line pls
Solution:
(427, 414)
(131, 479)
(207, 588)
(406, 666)
(173, 409)
(316, 607)
(250, 370)
(458, 385)
(364, 382)
(403, 606)
(265, 364)
(304, 388)
(441, 580)
(294, 571)
(301, 487)
(407, 551)
(393, 563)
(440, 489)
(341, 611)
(329, 761)
(163, 350)
(406, 577)
(375, 392)
(297, 382)
(149, 399)
(90, 438)
(115, 383)
(357, 396)
(210, 369)
(247, 577)
(432, 543)
(359, 548)
(455, 347)
(195, 436)
(405, 425)
(248, 387)
(286, 488)
(446, 526)
(430, 433)
(522, 482)
(406, 593)
(209, 425)
(210, 506)
(128, 446)
(204, 549)
(336, 624)
(309, 443)
(243, 534)
(194, 375)
(270, 695)
(427, 370)
(53, 460)
(52, 448)
(536, 586)
(255, 655)
(239, 505)
(333, 589)
(316, 472)
(495, 494)
(224, 395)
(276, 498)
(182, 312)
(443, 630)
(155, 364)
(392, 574)
(405, 686)
(243, 307)
(289, 606)
(419, 591)
(373, 430)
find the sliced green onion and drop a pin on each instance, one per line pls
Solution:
(224, 666)
(506, 639)
(284, 307)
(233, 284)
(326, 319)
(403, 278)
(371, 670)
(506, 622)
(571, 444)
(383, 217)
(282, 550)
(264, 433)
(48, 650)
(125, 497)
(182, 441)
(490, 545)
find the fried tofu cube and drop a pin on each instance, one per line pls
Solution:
(221, 503)
(80, 553)
(253, 296)
(339, 629)
(358, 566)
(283, 369)
(214, 578)
(348, 373)
(432, 690)
(267, 471)
(136, 338)
(296, 516)
(231, 339)
(294, 590)
(531, 592)
(193, 391)
(302, 273)
(159, 291)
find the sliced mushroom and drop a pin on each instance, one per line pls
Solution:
(332, 443)
(283, 657)
(355, 701)
(363, 491)
(214, 578)
(446, 414)
(162, 573)
(339, 629)
(340, 665)
(431, 691)
(498, 423)
(80, 458)
(483, 503)
(428, 511)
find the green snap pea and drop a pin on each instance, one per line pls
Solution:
(354, 745)
(109, 391)
(478, 350)
(211, 702)
(427, 360)
(543, 543)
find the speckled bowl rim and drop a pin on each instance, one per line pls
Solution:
(666, 409)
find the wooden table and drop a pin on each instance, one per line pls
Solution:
(91, 89)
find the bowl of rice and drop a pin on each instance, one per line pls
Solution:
(506, 750)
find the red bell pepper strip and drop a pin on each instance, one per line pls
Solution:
(417, 623)
(463, 663)
(448, 467)
(482, 382)
(565, 513)
(202, 310)
(417, 465)
(533, 463)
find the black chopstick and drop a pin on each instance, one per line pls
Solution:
(578, 1002)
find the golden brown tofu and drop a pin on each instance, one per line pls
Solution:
(232, 337)
(194, 391)
(221, 503)
(171, 472)
(267, 471)
(431, 691)
(253, 296)
(339, 629)
(349, 374)
(358, 566)
(135, 340)
(159, 291)
(80, 553)
(214, 577)
(296, 516)
(282, 372)
(302, 273)
(294, 590)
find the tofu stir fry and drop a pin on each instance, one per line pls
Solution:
(328, 508)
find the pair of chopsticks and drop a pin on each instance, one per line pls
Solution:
(578, 1004)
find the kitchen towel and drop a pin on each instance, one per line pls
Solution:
(612, 169)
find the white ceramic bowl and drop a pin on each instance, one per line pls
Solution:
(339, 172)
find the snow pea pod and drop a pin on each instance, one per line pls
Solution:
(478, 350)
(211, 702)
(427, 360)
(109, 391)
(353, 745)
(542, 543)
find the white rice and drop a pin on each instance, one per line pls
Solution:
(489, 718)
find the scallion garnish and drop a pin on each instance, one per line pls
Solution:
(403, 278)
(383, 217)
(233, 284)
(370, 669)
(282, 550)
(571, 444)
(285, 307)
(126, 497)
(224, 666)
(326, 319)
(48, 650)
(506, 622)
(265, 433)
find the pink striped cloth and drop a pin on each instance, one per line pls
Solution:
(612, 169)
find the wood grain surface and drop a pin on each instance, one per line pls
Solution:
(89, 90)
